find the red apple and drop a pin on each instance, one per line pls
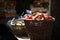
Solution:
(40, 17)
(30, 17)
(50, 17)
(46, 16)
(26, 16)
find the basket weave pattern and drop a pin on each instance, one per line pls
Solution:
(39, 30)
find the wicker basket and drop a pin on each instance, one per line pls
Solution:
(39, 30)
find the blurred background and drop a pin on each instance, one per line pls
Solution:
(10, 9)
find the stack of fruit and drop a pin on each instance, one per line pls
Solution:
(38, 16)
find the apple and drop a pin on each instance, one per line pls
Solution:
(26, 16)
(46, 16)
(50, 17)
(30, 17)
(40, 17)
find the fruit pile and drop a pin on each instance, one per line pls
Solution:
(38, 16)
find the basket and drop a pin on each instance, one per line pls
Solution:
(39, 30)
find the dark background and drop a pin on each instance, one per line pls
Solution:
(22, 5)
(55, 12)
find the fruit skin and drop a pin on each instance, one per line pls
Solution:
(40, 17)
(46, 16)
(50, 18)
(28, 16)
